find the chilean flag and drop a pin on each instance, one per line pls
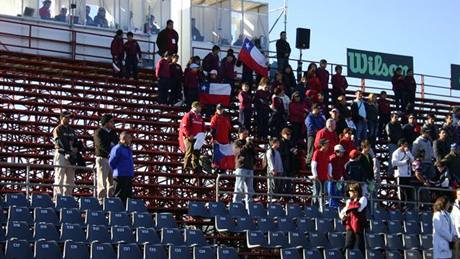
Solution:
(253, 58)
(212, 93)
(223, 156)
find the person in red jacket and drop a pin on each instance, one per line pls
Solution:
(321, 169)
(245, 107)
(220, 126)
(133, 56)
(338, 161)
(227, 70)
(347, 141)
(211, 61)
(313, 80)
(323, 76)
(398, 88)
(191, 125)
(297, 113)
(339, 84)
(163, 73)
(191, 83)
(118, 53)
(328, 133)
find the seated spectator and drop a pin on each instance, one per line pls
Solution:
(151, 26)
(440, 146)
(88, 20)
(384, 113)
(274, 168)
(314, 122)
(297, 113)
(328, 132)
(44, 11)
(62, 16)
(347, 142)
(337, 161)
(262, 107)
(442, 178)
(245, 107)
(196, 34)
(431, 126)
(211, 60)
(401, 160)
(100, 20)
(339, 84)
(411, 130)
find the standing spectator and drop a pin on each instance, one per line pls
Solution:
(423, 142)
(353, 215)
(262, 107)
(277, 119)
(44, 11)
(328, 132)
(440, 146)
(372, 118)
(62, 16)
(278, 81)
(431, 126)
(344, 113)
(196, 34)
(245, 107)
(455, 217)
(335, 115)
(384, 113)
(177, 77)
(444, 232)
(191, 84)
(450, 129)
(314, 122)
(247, 75)
(394, 133)
(339, 84)
(167, 39)
(211, 61)
(163, 73)
(133, 56)
(346, 140)
(288, 152)
(452, 161)
(274, 167)
(105, 138)
(289, 81)
(401, 160)
(323, 76)
(99, 19)
(64, 138)
(151, 26)
(283, 51)
(398, 88)
(118, 53)
(227, 70)
(220, 126)
(88, 20)
(368, 161)
(359, 115)
(122, 164)
(302, 88)
(297, 113)
(191, 125)
(410, 86)
(313, 81)
(321, 169)
(245, 156)
(411, 130)
(354, 170)
(337, 161)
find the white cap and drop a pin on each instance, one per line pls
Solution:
(193, 65)
(339, 148)
(213, 72)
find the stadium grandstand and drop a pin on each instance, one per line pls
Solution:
(188, 138)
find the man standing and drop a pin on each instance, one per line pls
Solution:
(283, 51)
(410, 130)
(64, 139)
(220, 126)
(211, 61)
(118, 53)
(44, 11)
(167, 39)
(314, 122)
(359, 115)
(288, 154)
(89, 20)
(245, 156)
(402, 159)
(394, 133)
(104, 139)
(440, 146)
(452, 161)
(163, 73)
(191, 125)
(323, 76)
(133, 55)
(339, 84)
(274, 167)
(330, 135)
(122, 164)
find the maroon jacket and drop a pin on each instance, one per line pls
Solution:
(117, 48)
(355, 221)
(132, 49)
(211, 62)
(191, 79)
(398, 83)
(262, 100)
(245, 100)
(227, 69)
(410, 85)
(339, 85)
(323, 76)
(297, 112)
(384, 107)
(162, 69)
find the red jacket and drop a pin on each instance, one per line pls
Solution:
(132, 49)
(384, 107)
(117, 48)
(338, 166)
(348, 145)
(227, 70)
(210, 62)
(322, 160)
(297, 112)
(191, 79)
(192, 124)
(355, 220)
(315, 84)
(162, 69)
(331, 136)
(323, 76)
(245, 100)
(220, 128)
(339, 84)
(397, 83)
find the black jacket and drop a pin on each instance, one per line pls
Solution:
(286, 156)
(104, 141)
(394, 132)
(282, 47)
(354, 171)
(162, 41)
(440, 149)
(355, 111)
(409, 133)
(245, 154)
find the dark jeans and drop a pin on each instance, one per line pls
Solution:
(262, 117)
(398, 100)
(244, 118)
(354, 241)
(282, 63)
(405, 193)
(164, 84)
(372, 126)
(296, 132)
(119, 63)
(123, 187)
(176, 91)
(131, 67)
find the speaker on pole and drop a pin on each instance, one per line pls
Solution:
(302, 40)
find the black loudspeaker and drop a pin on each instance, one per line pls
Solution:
(302, 39)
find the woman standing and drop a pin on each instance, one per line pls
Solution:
(354, 217)
(444, 235)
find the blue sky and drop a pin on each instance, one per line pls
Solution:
(427, 30)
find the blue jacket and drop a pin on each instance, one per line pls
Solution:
(121, 160)
(314, 123)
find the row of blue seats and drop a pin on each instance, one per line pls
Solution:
(113, 204)
(42, 249)
(274, 210)
(293, 253)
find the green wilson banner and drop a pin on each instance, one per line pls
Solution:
(375, 65)
(455, 76)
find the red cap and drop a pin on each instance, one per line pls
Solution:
(354, 153)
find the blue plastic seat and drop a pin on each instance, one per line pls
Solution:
(333, 254)
(375, 241)
(45, 231)
(395, 227)
(426, 241)
(16, 199)
(113, 204)
(427, 228)
(393, 254)
(277, 239)
(257, 210)
(204, 252)
(46, 215)
(286, 224)
(226, 253)
(154, 251)
(375, 254)
(290, 253)
(2, 236)
(217, 209)
(135, 205)
(311, 212)
(66, 202)
(244, 223)
(394, 242)
(266, 224)
(411, 241)
(378, 226)
(75, 250)
(89, 203)
(119, 219)
(395, 215)
(412, 227)
(72, 216)
(195, 237)
(428, 254)
(294, 211)
(102, 251)
(147, 235)
(72, 232)
(426, 216)
(16, 213)
(318, 240)
(256, 239)
(336, 240)
(354, 254)
(128, 251)
(178, 252)
(324, 225)
(165, 220)
(47, 250)
(142, 219)
(18, 249)
(41, 200)
(275, 210)
(197, 209)
(339, 226)
(297, 240)
(97, 233)
(172, 236)
(329, 213)
(381, 214)
(237, 209)
(312, 254)
(224, 224)
(122, 234)
(19, 230)
(411, 215)
(93, 217)
(305, 225)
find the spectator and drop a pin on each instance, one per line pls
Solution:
(239, 40)
(410, 86)
(118, 53)
(227, 69)
(394, 133)
(89, 21)
(283, 51)
(247, 75)
(163, 73)
(359, 115)
(245, 107)
(328, 132)
(384, 113)
(289, 81)
(314, 122)
(177, 77)
(455, 217)
(347, 142)
(442, 178)
(354, 170)
(288, 151)
(450, 129)
(62, 16)
(64, 139)
(191, 84)
(440, 146)
(211, 61)
(339, 84)
(278, 81)
(297, 113)
(401, 159)
(44, 11)
(344, 113)
(367, 160)
(302, 88)
(277, 119)
(151, 26)
(274, 168)
(424, 173)
(105, 138)
(353, 215)
(337, 161)
(313, 81)
(398, 88)
(245, 156)
(452, 161)
(196, 34)
(133, 56)
(423, 142)
(262, 107)
(122, 165)
(335, 115)
(444, 232)
(167, 39)
(99, 19)
(323, 76)
(411, 130)
(431, 126)
(372, 118)
(220, 126)
(191, 125)
(321, 169)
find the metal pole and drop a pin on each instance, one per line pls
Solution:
(95, 183)
(217, 187)
(285, 15)
(27, 181)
